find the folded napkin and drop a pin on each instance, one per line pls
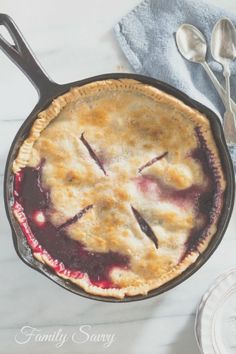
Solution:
(147, 38)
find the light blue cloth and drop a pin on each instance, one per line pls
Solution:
(147, 38)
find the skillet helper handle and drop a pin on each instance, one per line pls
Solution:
(21, 54)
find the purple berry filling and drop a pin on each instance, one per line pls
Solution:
(55, 240)
(36, 204)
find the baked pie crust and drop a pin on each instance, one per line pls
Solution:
(118, 187)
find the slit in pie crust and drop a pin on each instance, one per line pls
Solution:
(118, 187)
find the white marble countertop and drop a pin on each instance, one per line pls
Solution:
(74, 40)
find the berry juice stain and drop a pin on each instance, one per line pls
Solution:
(35, 201)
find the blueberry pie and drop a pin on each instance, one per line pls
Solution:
(118, 187)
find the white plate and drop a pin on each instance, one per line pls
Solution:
(215, 326)
(202, 303)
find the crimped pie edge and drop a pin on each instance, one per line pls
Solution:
(47, 115)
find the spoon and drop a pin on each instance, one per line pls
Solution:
(192, 44)
(223, 49)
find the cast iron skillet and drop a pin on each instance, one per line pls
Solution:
(22, 56)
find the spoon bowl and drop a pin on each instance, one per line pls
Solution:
(223, 41)
(191, 43)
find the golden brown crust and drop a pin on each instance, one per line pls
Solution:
(102, 118)
(46, 116)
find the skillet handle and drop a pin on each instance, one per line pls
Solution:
(21, 54)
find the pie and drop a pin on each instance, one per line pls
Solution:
(118, 187)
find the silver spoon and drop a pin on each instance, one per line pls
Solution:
(223, 49)
(192, 45)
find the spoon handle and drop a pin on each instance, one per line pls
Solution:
(229, 127)
(219, 88)
(229, 117)
(227, 84)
